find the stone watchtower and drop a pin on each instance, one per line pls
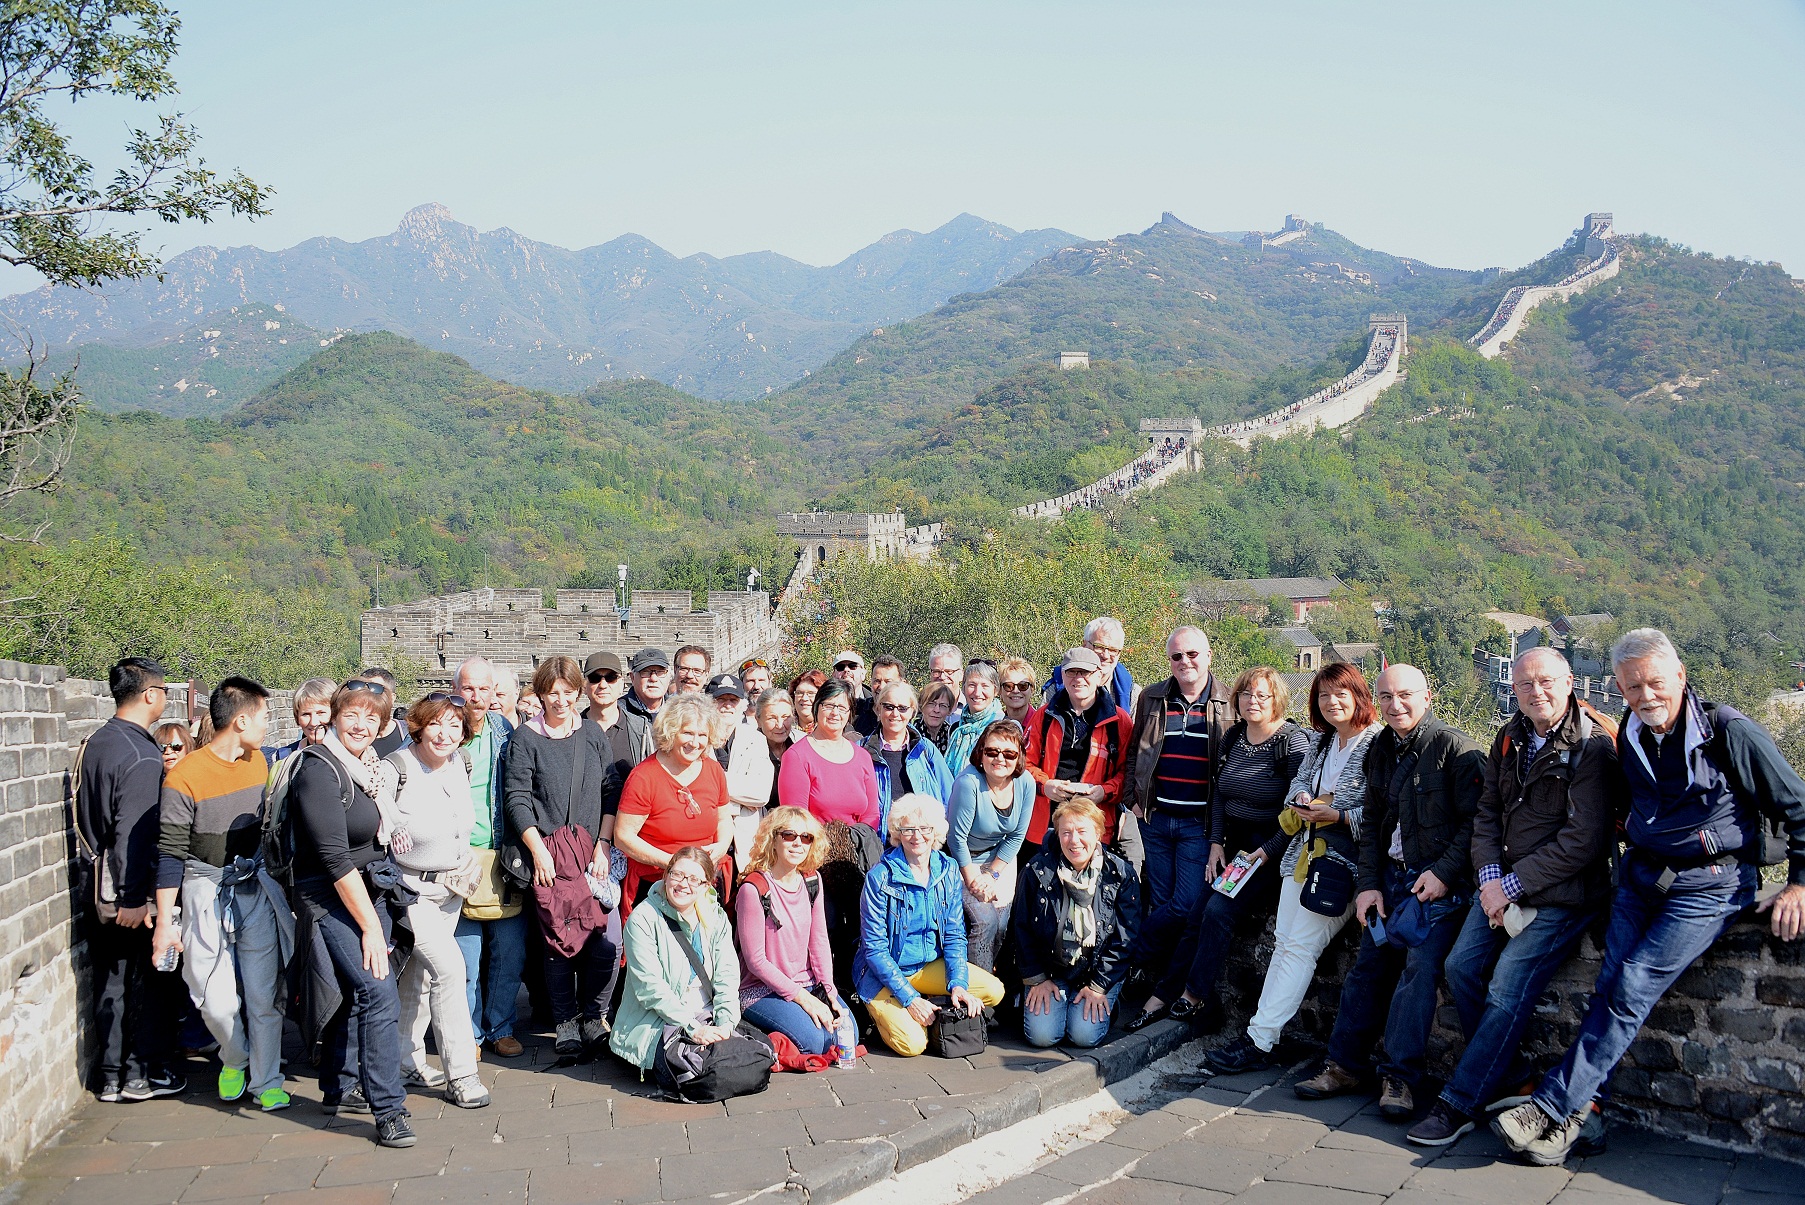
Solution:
(1597, 231)
(1154, 431)
(826, 534)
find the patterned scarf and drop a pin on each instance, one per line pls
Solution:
(1078, 908)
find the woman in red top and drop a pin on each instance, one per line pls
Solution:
(674, 798)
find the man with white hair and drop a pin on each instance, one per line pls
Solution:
(946, 664)
(1701, 776)
(1541, 846)
(1106, 637)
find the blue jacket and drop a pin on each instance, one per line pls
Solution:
(927, 771)
(970, 803)
(894, 906)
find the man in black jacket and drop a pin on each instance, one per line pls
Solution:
(118, 808)
(1423, 780)
(1541, 844)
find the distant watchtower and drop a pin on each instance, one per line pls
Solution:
(1069, 360)
(1597, 230)
(826, 534)
(1157, 430)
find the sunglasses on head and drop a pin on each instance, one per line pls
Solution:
(790, 834)
(440, 696)
(598, 676)
(359, 686)
(755, 663)
(981, 661)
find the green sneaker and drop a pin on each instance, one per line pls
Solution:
(231, 1083)
(273, 1099)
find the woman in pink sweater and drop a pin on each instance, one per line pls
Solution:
(826, 774)
(787, 969)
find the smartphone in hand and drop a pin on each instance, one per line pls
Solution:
(1375, 924)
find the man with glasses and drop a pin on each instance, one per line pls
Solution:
(1173, 757)
(118, 781)
(1423, 783)
(1105, 637)
(1077, 747)
(494, 950)
(651, 682)
(690, 665)
(629, 732)
(394, 736)
(946, 664)
(849, 667)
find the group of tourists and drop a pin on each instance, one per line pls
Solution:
(671, 858)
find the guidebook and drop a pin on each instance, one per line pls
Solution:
(1234, 876)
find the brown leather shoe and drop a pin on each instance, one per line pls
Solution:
(1332, 1080)
(508, 1047)
(1395, 1100)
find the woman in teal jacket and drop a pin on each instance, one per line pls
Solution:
(662, 987)
(897, 745)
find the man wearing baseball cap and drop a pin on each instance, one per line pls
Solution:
(629, 733)
(730, 698)
(849, 667)
(1077, 743)
(651, 669)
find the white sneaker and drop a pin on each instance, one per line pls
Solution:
(1552, 1148)
(1521, 1126)
(422, 1078)
(467, 1092)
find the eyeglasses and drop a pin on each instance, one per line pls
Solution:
(899, 708)
(790, 834)
(439, 696)
(1008, 755)
(1101, 649)
(832, 708)
(1018, 686)
(917, 830)
(676, 878)
(692, 807)
(1256, 696)
(597, 677)
(173, 747)
(1187, 655)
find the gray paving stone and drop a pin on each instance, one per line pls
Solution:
(1373, 1132)
(1491, 1181)
(241, 1180)
(1683, 1181)
(1091, 1164)
(859, 1121)
(861, 1165)
(770, 1130)
(959, 1080)
(1247, 1081)
(805, 1157)
(853, 1088)
(1274, 1135)
(631, 1181)
(1205, 1104)
(1359, 1171)
(682, 1176)
(1334, 1111)
(507, 1186)
(1150, 1131)
(521, 1154)
(133, 1188)
(786, 1092)
(547, 1122)
(643, 1110)
(1130, 1191)
(1753, 1173)
(659, 1138)
(1271, 1192)
(1034, 1189)
(932, 1137)
(1223, 1169)
(378, 1166)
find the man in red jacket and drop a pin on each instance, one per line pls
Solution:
(1077, 744)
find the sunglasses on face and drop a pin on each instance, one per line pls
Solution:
(1008, 755)
(899, 708)
(173, 747)
(787, 834)
(847, 665)
(597, 677)
(1187, 655)
(1018, 686)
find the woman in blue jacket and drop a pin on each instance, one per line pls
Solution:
(904, 759)
(912, 931)
(992, 800)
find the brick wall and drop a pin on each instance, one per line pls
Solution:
(1721, 1059)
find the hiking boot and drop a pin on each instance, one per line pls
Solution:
(1332, 1080)
(1556, 1142)
(1521, 1126)
(112, 1089)
(569, 1043)
(167, 1083)
(595, 1034)
(1592, 1138)
(508, 1047)
(1395, 1100)
(273, 1100)
(231, 1083)
(1238, 1056)
(351, 1103)
(467, 1092)
(422, 1079)
(394, 1131)
(1520, 1095)
(1443, 1125)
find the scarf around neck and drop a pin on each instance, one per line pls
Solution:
(1078, 908)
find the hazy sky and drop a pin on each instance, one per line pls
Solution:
(1463, 134)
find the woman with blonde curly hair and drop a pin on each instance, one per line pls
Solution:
(787, 966)
(676, 797)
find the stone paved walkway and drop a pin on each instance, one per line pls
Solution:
(582, 1133)
(1250, 1140)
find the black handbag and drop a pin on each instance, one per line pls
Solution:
(954, 1033)
(738, 1065)
(1329, 886)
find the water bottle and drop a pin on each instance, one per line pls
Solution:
(846, 1042)
(171, 956)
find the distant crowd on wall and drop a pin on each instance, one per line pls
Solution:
(711, 874)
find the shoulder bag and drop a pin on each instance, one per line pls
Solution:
(737, 1065)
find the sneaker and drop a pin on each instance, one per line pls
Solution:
(231, 1083)
(394, 1131)
(1592, 1138)
(1395, 1100)
(1520, 1126)
(1556, 1142)
(1443, 1125)
(352, 1102)
(167, 1083)
(135, 1089)
(1521, 1095)
(273, 1099)
(595, 1034)
(467, 1092)
(508, 1047)
(1332, 1080)
(112, 1090)
(569, 1043)
(422, 1078)
(1238, 1056)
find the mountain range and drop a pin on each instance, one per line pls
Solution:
(530, 312)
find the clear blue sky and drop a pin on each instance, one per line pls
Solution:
(1464, 134)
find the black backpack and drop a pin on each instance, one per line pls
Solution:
(278, 836)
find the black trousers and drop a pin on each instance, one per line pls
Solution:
(137, 1009)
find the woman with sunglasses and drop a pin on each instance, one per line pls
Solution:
(1020, 689)
(173, 742)
(787, 984)
(902, 758)
(992, 800)
(661, 986)
(558, 792)
(803, 689)
(675, 798)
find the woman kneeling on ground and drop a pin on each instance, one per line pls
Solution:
(912, 931)
(662, 986)
(1077, 910)
(782, 920)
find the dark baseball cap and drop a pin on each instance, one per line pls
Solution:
(646, 659)
(725, 684)
(607, 661)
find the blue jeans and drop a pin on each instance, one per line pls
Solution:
(774, 1014)
(494, 956)
(1392, 991)
(1177, 852)
(1652, 938)
(1494, 1016)
(1210, 931)
(1065, 1019)
(370, 1020)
